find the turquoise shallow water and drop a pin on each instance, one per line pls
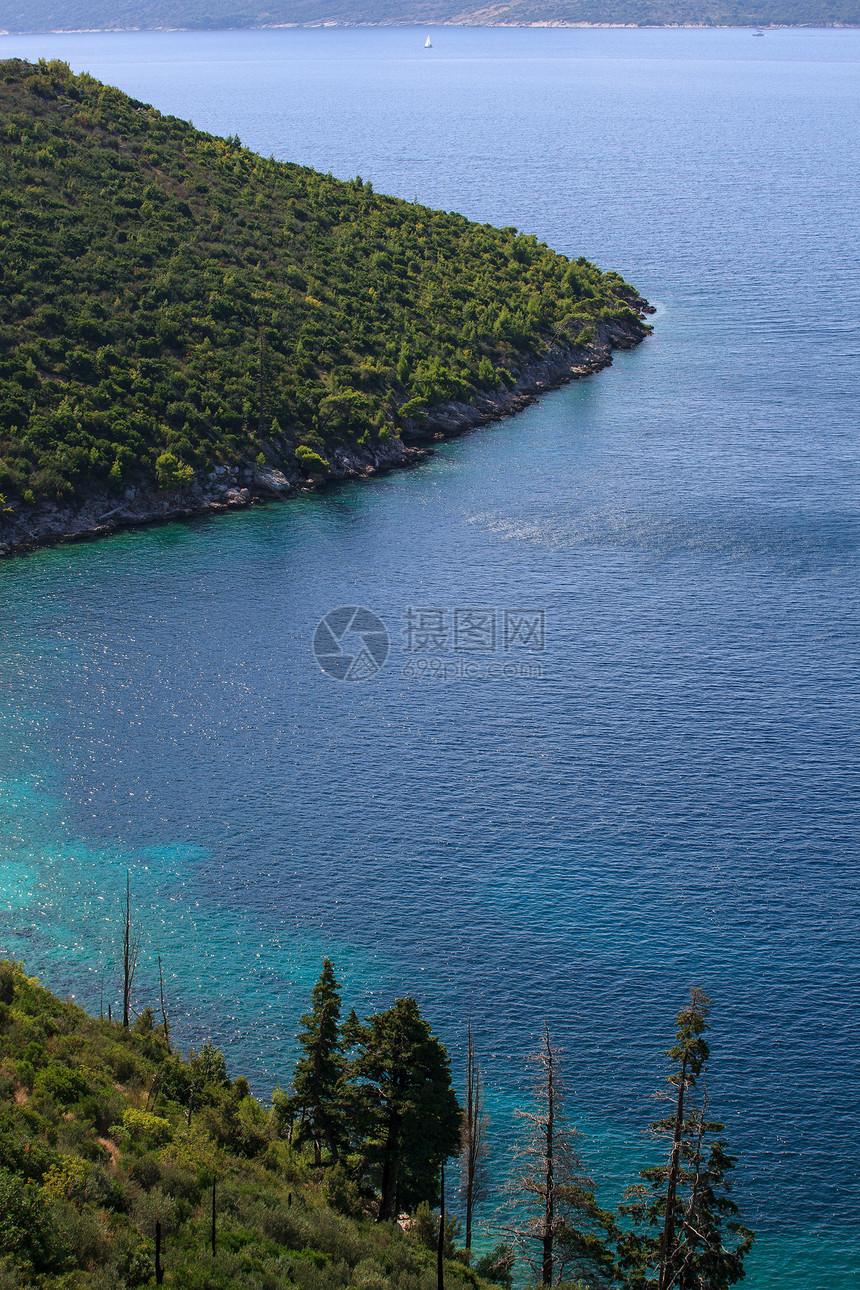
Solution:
(674, 797)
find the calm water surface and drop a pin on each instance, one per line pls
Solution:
(673, 800)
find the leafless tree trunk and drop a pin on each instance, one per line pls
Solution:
(473, 1181)
(546, 1173)
(159, 1270)
(163, 1009)
(691, 1235)
(549, 1162)
(667, 1247)
(390, 1168)
(440, 1248)
(130, 952)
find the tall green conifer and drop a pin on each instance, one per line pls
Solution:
(403, 1106)
(682, 1210)
(317, 1095)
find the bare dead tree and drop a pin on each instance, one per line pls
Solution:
(130, 952)
(163, 1009)
(551, 1217)
(473, 1153)
(159, 1270)
(440, 1245)
(154, 1089)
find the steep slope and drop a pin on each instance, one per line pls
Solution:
(105, 1132)
(174, 308)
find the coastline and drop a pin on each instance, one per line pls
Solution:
(321, 24)
(28, 527)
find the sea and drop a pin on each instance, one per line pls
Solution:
(599, 742)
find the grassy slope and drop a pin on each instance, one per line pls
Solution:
(94, 1148)
(145, 264)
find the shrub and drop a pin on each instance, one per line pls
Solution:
(122, 1063)
(311, 461)
(26, 1074)
(171, 473)
(64, 1085)
(146, 1129)
(497, 1266)
(342, 1193)
(66, 1180)
(26, 1231)
(425, 1229)
(146, 1170)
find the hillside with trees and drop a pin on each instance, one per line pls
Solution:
(172, 304)
(66, 15)
(123, 1163)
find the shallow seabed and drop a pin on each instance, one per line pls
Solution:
(666, 793)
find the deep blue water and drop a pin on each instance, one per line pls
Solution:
(673, 799)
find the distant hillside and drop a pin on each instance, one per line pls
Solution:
(52, 15)
(172, 304)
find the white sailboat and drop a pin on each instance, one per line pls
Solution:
(427, 44)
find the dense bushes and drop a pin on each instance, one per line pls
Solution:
(170, 301)
(87, 1169)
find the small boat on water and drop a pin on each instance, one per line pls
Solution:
(755, 33)
(427, 44)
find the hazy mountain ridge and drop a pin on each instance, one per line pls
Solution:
(73, 15)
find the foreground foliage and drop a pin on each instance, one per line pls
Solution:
(104, 1132)
(109, 1139)
(170, 301)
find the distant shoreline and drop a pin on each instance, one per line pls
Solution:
(434, 25)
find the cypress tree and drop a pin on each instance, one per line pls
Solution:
(317, 1094)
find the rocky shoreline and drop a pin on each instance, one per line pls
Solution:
(26, 527)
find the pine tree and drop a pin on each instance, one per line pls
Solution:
(555, 1222)
(682, 1211)
(317, 1098)
(405, 1116)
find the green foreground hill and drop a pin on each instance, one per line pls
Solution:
(171, 302)
(104, 1133)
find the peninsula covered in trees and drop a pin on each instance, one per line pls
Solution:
(184, 323)
(123, 1163)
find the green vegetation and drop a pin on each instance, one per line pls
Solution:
(104, 1133)
(112, 1146)
(48, 15)
(170, 301)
